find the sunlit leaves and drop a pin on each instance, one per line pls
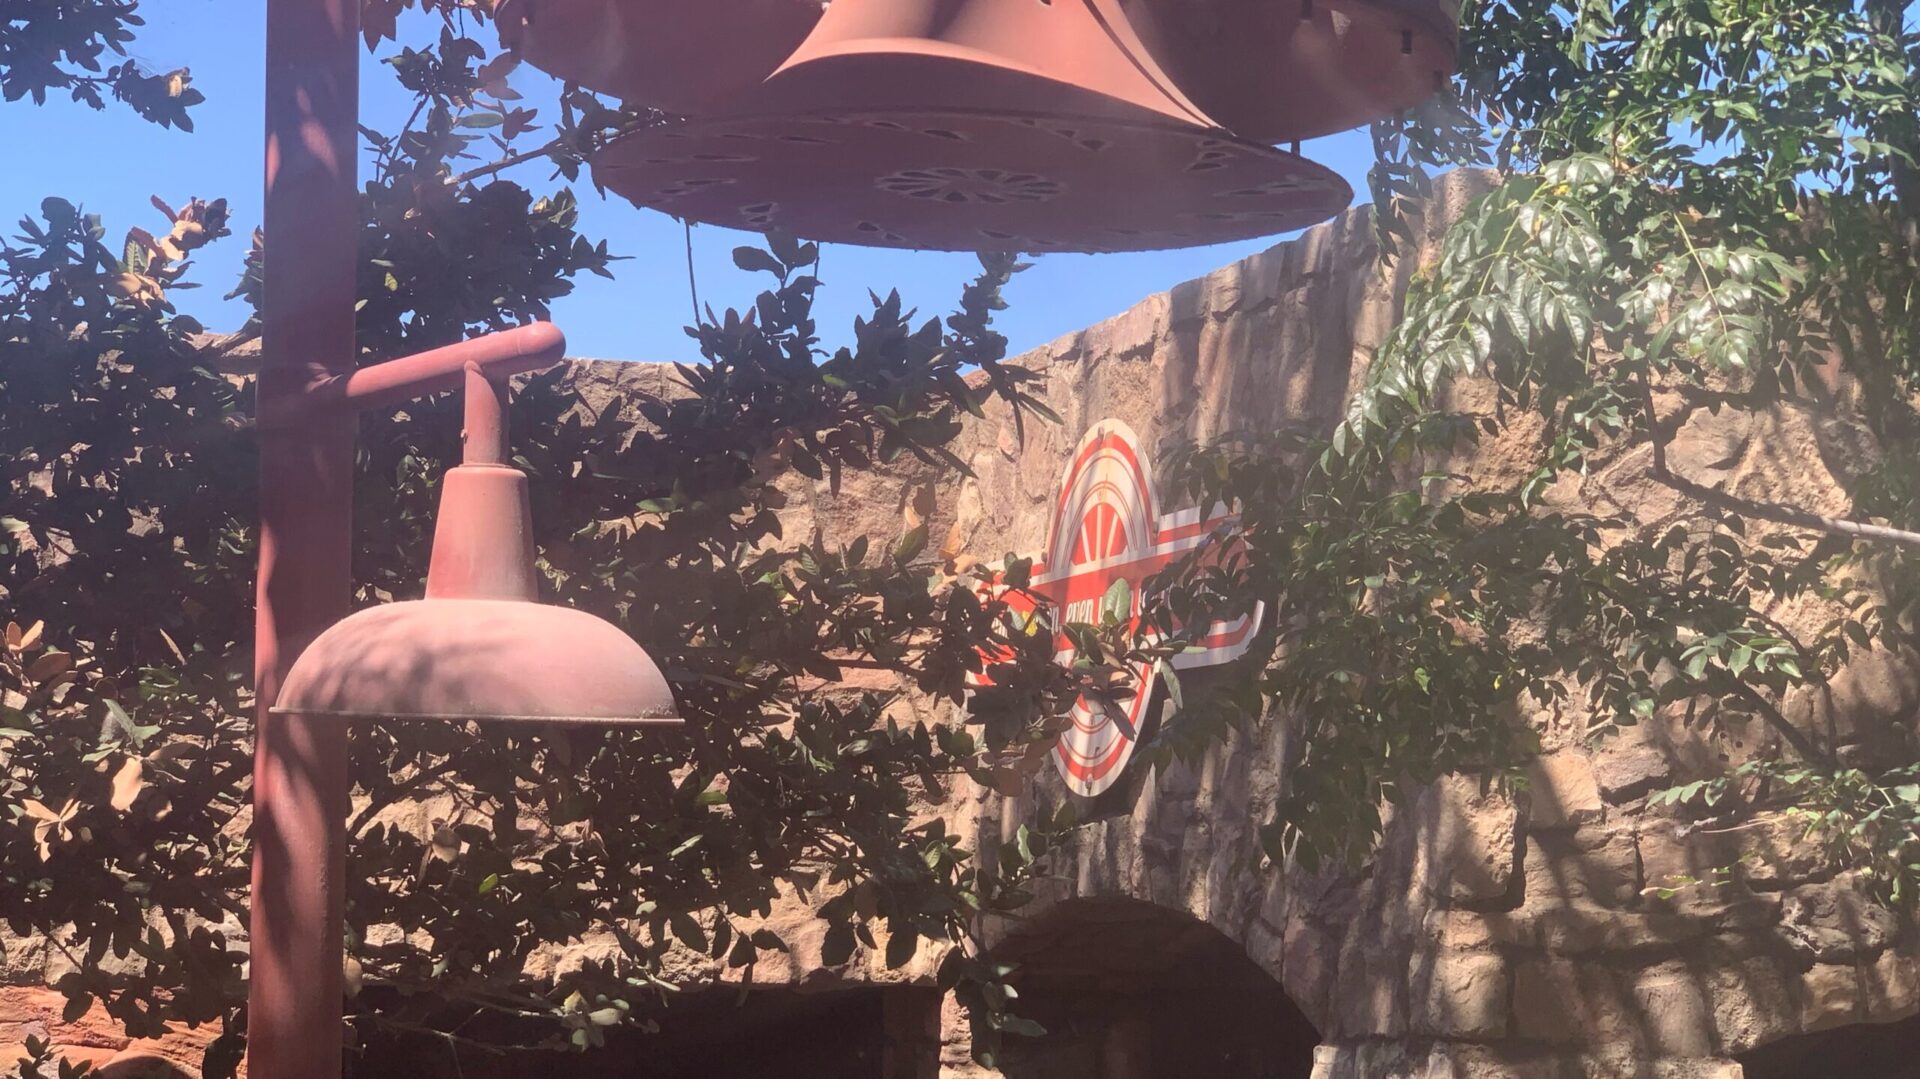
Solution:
(1710, 204)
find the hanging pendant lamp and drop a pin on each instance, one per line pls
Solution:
(1283, 70)
(973, 125)
(686, 57)
(479, 647)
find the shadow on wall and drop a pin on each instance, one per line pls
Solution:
(868, 1032)
(1129, 990)
(1868, 1051)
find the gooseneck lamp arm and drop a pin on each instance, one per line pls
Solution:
(308, 397)
(484, 441)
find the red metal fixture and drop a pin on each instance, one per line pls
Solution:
(1077, 57)
(1280, 70)
(479, 646)
(973, 181)
(973, 125)
(300, 788)
(687, 57)
(308, 413)
(309, 396)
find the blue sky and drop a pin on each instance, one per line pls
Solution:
(111, 162)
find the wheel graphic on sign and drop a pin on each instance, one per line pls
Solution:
(1105, 522)
(1106, 539)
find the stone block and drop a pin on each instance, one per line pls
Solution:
(1829, 996)
(145, 1064)
(1876, 690)
(1671, 1008)
(1777, 854)
(1562, 1002)
(1457, 1060)
(1699, 875)
(1562, 790)
(1697, 1069)
(1626, 769)
(23, 960)
(1370, 992)
(1892, 987)
(1309, 968)
(1468, 930)
(1589, 867)
(1388, 1060)
(1836, 922)
(1467, 841)
(1466, 995)
(1332, 1062)
(1750, 998)
(1588, 930)
(1671, 860)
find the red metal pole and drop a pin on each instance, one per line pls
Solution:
(311, 220)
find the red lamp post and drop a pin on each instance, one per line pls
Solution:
(476, 648)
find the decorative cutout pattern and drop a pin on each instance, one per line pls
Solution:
(991, 186)
(967, 180)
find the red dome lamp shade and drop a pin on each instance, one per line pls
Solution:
(686, 57)
(973, 125)
(479, 647)
(1283, 70)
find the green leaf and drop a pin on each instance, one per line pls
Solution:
(1116, 606)
(754, 260)
(910, 545)
(1171, 679)
(1020, 1027)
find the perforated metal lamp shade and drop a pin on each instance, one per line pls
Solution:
(479, 647)
(971, 125)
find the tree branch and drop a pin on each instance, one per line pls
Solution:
(1790, 516)
(503, 164)
(1773, 717)
(1766, 511)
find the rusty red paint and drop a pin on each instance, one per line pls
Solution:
(479, 647)
(509, 352)
(688, 57)
(308, 399)
(1162, 111)
(311, 214)
(1077, 58)
(973, 125)
(1280, 70)
(973, 181)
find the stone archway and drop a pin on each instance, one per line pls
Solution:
(1130, 990)
(1860, 1051)
(846, 1031)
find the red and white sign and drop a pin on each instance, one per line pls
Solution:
(1107, 529)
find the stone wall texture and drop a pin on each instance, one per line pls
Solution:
(1545, 934)
(1542, 934)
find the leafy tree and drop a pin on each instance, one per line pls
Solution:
(128, 506)
(59, 44)
(1706, 204)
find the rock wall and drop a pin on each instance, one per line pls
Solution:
(1545, 934)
